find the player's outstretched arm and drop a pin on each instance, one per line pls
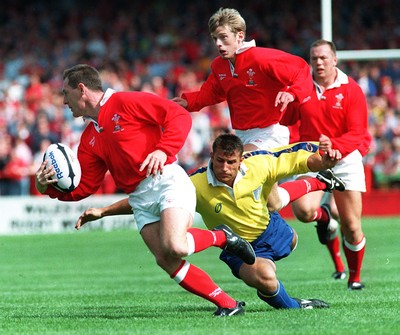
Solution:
(92, 214)
(327, 160)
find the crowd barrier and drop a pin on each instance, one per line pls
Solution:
(40, 214)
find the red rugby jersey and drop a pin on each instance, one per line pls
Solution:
(259, 74)
(340, 113)
(132, 124)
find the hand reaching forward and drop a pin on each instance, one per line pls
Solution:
(91, 214)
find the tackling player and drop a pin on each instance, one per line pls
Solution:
(233, 189)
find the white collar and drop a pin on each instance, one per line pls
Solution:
(246, 46)
(215, 182)
(109, 92)
(341, 79)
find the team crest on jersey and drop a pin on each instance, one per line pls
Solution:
(257, 194)
(117, 126)
(251, 74)
(338, 104)
(218, 207)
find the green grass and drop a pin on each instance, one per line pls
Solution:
(93, 282)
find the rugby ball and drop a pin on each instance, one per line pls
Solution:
(65, 164)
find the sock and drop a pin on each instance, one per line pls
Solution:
(200, 239)
(334, 250)
(298, 188)
(198, 282)
(319, 214)
(279, 299)
(354, 255)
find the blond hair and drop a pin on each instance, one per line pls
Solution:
(227, 17)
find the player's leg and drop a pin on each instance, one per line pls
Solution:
(262, 276)
(188, 276)
(292, 190)
(308, 209)
(275, 243)
(349, 205)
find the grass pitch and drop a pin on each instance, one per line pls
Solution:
(94, 282)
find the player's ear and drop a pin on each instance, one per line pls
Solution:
(240, 36)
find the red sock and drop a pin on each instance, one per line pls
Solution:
(319, 215)
(196, 281)
(334, 250)
(354, 255)
(203, 239)
(298, 188)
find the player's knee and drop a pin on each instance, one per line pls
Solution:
(176, 250)
(304, 214)
(267, 281)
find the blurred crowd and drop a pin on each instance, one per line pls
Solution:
(165, 48)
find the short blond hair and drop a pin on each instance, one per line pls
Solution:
(227, 17)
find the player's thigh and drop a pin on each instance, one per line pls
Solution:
(151, 236)
(173, 228)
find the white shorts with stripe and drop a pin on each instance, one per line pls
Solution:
(271, 137)
(172, 189)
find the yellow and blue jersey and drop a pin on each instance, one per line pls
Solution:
(244, 207)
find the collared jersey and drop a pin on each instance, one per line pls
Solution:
(251, 87)
(130, 126)
(340, 112)
(244, 206)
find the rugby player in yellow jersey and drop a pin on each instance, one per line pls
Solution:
(233, 190)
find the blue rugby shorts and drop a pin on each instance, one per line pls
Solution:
(274, 244)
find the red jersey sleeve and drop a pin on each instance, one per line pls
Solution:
(210, 93)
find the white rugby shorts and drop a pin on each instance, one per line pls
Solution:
(351, 170)
(172, 189)
(271, 137)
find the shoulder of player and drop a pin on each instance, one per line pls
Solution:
(252, 157)
(200, 171)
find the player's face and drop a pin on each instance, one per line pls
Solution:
(227, 42)
(323, 62)
(73, 98)
(226, 166)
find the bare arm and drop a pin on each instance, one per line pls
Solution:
(121, 207)
(329, 159)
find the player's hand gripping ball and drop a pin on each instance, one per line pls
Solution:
(65, 164)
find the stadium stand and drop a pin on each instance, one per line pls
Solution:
(148, 46)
